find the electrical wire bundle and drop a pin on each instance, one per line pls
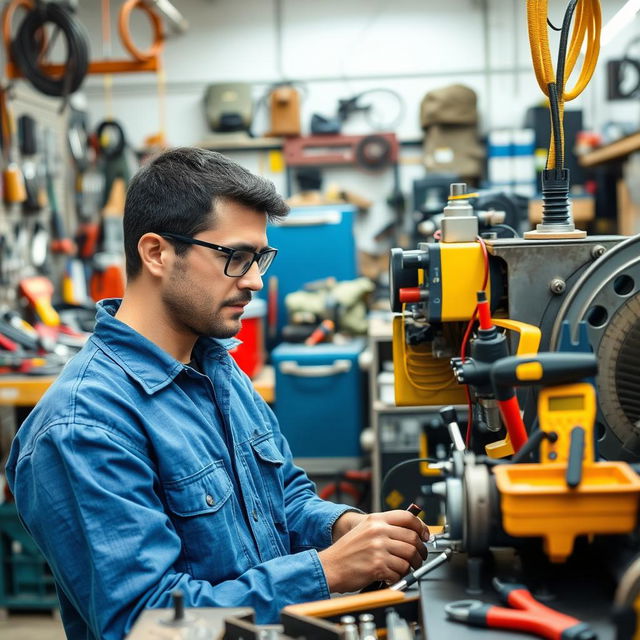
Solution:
(555, 177)
(29, 48)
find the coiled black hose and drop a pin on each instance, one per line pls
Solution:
(27, 46)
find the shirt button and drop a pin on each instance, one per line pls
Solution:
(255, 515)
(210, 500)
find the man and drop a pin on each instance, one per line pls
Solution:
(151, 464)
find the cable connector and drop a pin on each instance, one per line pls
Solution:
(556, 217)
(555, 197)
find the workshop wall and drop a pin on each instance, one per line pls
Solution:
(337, 48)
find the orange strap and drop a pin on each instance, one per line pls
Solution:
(7, 18)
(125, 33)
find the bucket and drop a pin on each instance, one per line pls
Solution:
(250, 354)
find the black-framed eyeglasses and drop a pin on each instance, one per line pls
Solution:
(239, 261)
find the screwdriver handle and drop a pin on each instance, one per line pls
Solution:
(543, 368)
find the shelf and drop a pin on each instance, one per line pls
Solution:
(381, 407)
(26, 391)
(617, 150)
(23, 391)
(240, 142)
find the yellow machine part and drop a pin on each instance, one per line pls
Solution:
(421, 379)
(425, 467)
(536, 501)
(462, 274)
(528, 344)
(562, 408)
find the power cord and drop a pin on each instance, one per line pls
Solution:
(399, 465)
(555, 178)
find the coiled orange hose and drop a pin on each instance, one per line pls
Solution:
(125, 34)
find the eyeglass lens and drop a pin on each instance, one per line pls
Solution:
(240, 262)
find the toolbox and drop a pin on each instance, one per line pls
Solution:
(319, 402)
(26, 581)
(313, 243)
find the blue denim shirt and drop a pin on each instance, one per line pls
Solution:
(137, 475)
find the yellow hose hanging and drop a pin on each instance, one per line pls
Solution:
(587, 25)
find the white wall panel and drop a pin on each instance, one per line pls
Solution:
(338, 48)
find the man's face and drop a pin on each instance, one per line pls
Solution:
(198, 295)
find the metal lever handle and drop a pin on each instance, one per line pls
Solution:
(292, 368)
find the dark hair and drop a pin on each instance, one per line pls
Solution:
(177, 191)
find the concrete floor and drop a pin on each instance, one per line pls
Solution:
(31, 626)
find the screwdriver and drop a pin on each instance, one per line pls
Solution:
(414, 576)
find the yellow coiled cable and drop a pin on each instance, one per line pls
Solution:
(587, 25)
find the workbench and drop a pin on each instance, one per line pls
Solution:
(584, 596)
(25, 391)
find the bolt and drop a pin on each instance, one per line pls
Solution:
(458, 188)
(597, 250)
(557, 286)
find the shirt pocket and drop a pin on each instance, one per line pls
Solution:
(201, 511)
(203, 492)
(269, 461)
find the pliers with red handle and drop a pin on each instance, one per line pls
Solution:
(526, 614)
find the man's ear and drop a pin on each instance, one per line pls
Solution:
(156, 254)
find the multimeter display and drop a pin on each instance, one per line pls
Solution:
(561, 409)
(566, 403)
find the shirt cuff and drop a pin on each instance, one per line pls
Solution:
(334, 519)
(323, 586)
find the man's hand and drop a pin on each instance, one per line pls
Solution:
(381, 546)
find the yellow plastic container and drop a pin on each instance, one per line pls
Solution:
(536, 501)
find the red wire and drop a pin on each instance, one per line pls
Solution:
(467, 334)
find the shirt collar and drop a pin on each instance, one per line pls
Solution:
(143, 360)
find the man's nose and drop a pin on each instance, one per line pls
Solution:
(252, 279)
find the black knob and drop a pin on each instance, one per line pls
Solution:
(399, 278)
(178, 605)
(449, 415)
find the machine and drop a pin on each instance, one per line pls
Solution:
(582, 293)
(540, 337)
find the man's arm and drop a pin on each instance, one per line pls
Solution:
(311, 521)
(90, 501)
(357, 548)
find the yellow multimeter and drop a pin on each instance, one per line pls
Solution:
(562, 408)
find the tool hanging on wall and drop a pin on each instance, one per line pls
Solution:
(60, 241)
(28, 144)
(12, 178)
(284, 111)
(381, 102)
(112, 148)
(107, 280)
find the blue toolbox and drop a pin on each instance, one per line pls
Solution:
(319, 402)
(313, 243)
(26, 581)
